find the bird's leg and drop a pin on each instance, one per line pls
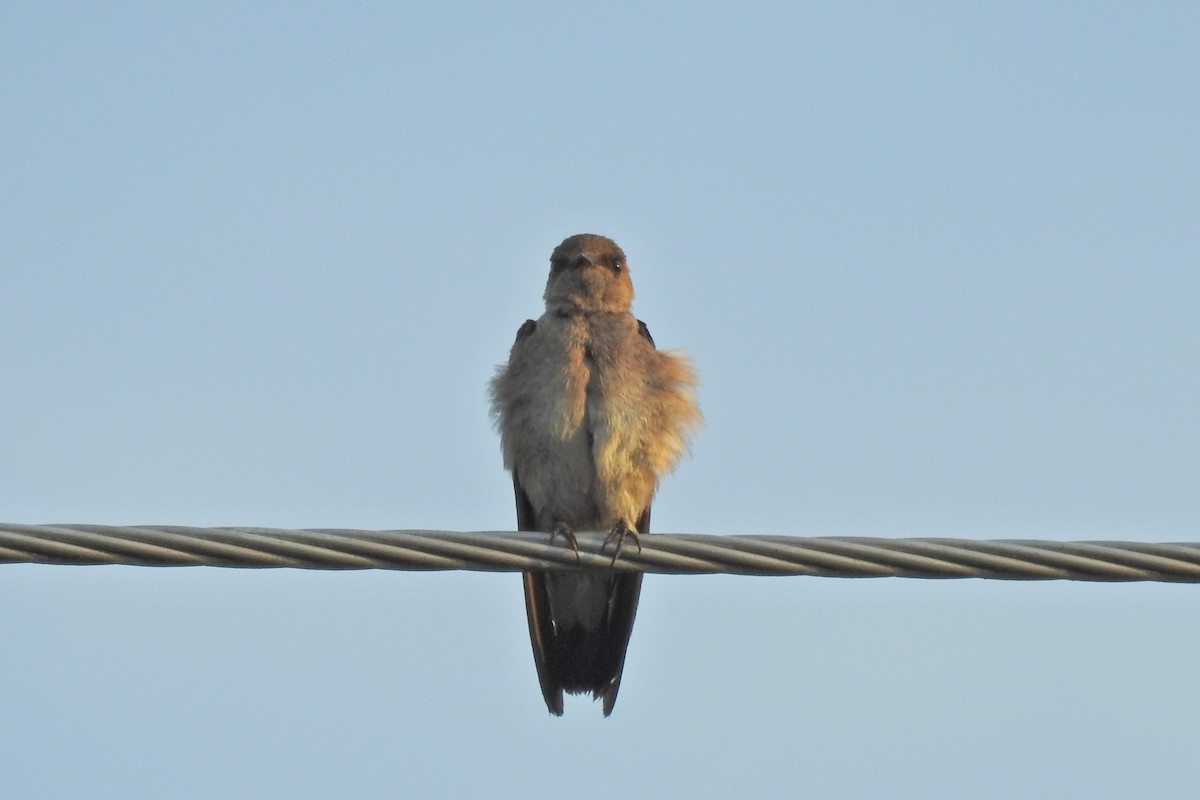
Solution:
(618, 533)
(564, 530)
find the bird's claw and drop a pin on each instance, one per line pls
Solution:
(618, 533)
(564, 530)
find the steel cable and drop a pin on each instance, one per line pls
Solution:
(843, 557)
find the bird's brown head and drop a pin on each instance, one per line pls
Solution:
(588, 273)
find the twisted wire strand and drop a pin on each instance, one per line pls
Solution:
(840, 557)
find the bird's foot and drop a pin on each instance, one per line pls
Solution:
(618, 534)
(564, 530)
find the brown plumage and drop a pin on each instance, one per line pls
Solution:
(591, 416)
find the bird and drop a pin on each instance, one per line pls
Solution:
(591, 416)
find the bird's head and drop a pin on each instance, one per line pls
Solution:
(588, 273)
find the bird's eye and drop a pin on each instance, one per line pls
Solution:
(557, 264)
(617, 265)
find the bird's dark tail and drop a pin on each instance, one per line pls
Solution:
(578, 659)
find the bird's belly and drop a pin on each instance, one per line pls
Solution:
(559, 478)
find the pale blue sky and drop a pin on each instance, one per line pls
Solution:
(937, 267)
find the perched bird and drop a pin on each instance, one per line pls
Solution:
(591, 416)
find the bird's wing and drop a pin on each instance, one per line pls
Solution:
(622, 610)
(537, 611)
(645, 332)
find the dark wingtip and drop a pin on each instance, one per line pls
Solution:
(610, 699)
